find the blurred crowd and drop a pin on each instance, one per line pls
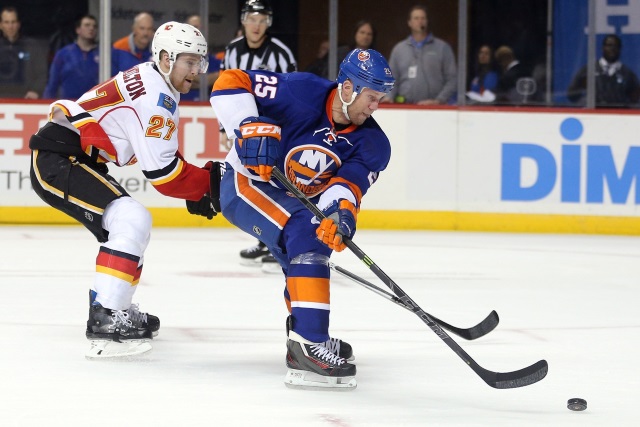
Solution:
(423, 63)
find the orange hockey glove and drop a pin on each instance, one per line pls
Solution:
(340, 221)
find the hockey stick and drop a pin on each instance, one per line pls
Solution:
(477, 331)
(523, 377)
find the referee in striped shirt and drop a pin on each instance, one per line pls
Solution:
(257, 50)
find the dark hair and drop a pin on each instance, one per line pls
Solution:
(79, 20)
(10, 9)
(614, 37)
(360, 24)
(418, 7)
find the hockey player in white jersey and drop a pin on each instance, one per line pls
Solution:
(131, 118)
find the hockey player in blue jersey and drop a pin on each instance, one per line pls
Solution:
(322, 136)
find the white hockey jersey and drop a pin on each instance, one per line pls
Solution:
(138, 119)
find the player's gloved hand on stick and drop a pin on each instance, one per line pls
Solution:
(209, 204)
(258, 145)
(340, 221)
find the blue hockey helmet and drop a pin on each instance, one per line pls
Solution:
(366, 68)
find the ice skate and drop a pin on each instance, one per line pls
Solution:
(144, 320)
(118, 333)
(341, 348)
(271, 265)
(334, 345)
(313, 367)
(252, 256)
(104, 349)
(139, 319)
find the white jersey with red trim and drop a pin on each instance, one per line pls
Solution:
(139, 114)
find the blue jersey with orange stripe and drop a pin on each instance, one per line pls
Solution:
(315, 155)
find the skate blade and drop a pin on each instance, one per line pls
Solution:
(106, 350)
(247, 262)
(305, 380)
(271, 268)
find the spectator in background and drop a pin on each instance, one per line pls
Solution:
(483, 85)
(511, 71)
(424, 66)
(75, 67)
(135, 48)
(320, 66)
(212, 72)
(23, 61)
(257, 50)
(65, 18)
(616, 84)
(364, 37)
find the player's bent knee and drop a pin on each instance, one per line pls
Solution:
(127, 218)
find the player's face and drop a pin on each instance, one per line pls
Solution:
(367, 101)
(255, 27)
(185, 69)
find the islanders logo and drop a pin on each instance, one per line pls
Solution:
(310, 167)
(363, 55)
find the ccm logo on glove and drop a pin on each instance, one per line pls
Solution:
(258, 145)
(260, 129)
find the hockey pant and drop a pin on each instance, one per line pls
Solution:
(86, 192)
(288, 229)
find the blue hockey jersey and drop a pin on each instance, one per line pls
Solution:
(315, 155)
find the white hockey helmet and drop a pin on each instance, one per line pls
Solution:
(176, 38)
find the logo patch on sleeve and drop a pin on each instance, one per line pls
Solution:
(167, 102)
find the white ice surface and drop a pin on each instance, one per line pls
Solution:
(219, 359)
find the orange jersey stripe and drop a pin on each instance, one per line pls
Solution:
(266, 206)
(309, 289)
(232, 79)
(354, 188)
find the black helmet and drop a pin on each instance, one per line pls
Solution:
(256, 6)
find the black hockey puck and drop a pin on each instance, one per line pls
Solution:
(577, 404)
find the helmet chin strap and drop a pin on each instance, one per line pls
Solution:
(168, 80)
(346, 104)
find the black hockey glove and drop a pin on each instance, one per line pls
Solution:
(209, 204)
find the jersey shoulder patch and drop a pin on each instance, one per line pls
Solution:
(167, 102)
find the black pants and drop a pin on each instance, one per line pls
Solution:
(80, 190)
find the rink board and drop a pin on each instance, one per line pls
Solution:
(538, 170)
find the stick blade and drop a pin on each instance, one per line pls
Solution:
(521, 378)
(481, 329)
